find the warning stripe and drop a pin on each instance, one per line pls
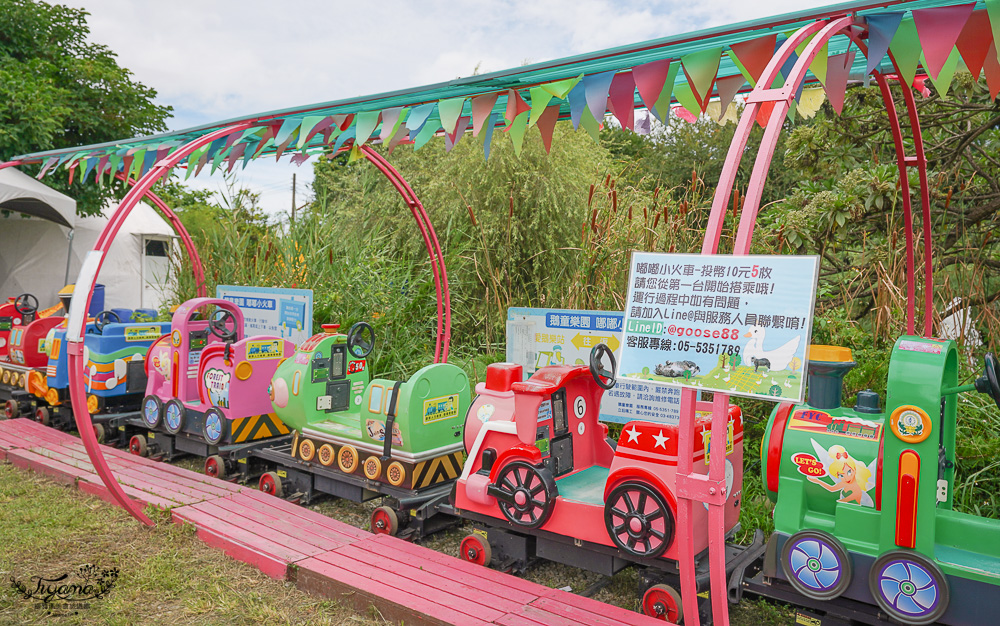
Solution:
(438, 469)
(258, 427)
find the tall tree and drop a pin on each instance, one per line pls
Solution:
(58, 90)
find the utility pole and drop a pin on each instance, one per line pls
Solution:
(293, 198)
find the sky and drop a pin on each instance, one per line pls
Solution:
(218, 59)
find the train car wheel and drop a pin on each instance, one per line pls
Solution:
(663, 602)
(816, 564)
(385, 521)
(373, 468)
(173, 416)
(137, 445)
(909, 587)
(270, 483)
(216, 427)
(42, 416)
(638, 519)
(525, 494)
(395, 473)
(475, 549)
(93, 404)
(99, 433)
(347, 459)
(215, 467)
(307, 450)
(11, 409)
(152, 411)
(326, 455)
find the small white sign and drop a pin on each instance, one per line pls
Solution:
(286, 313)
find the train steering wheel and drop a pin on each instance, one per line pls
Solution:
(218, 325)
(357, 344)
(103, 319)
(988, 383)
(22, 306)
(597, 369)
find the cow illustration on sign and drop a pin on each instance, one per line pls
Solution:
(852, 478)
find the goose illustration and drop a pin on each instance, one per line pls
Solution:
(779, 358)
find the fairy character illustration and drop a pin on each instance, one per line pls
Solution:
(852, 478)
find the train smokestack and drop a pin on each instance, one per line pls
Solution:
(827, 367)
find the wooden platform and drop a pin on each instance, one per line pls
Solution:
(405, 582)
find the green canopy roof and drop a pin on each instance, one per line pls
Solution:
(697, 60)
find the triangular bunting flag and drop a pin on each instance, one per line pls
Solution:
(810, 102)
(343, 137)
(149, 160)
(418, 116)
(427, 131)
(905, 49)
(993, 10)
(686, 98)
(819, 62)
(577, 103)
(764, 113)
(450, 110)
(642, 123)
(596, 88)
(650, 79)
(943, 82)
(728, 87)
(561, 88)
(391, 121)
(753, 56)
(516, 130)
(591, 125)
(991, 69)
(451, 139)
(701, 68)
(355, 153)
(402, 133)
(482, 108)
(45, 168)
(540, 98)
(938, 29)
(974, 42)
(487, 136)
(622, 97)
(102, 166)
(300, 158)
(235, 154)
(881, 28)
(515, 105)
(90, 163)
(685, 115)
(546, 125)
(310, 126)
(367, 121)
(662, 107)
(287, 128)
(836, 79)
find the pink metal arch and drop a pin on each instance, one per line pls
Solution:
(92, 265)
(694, 488)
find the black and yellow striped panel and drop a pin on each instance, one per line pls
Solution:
(438, 469)
(258, 427)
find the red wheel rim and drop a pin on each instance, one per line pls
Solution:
(8, 409)
(211, 467)
(381, 524)
(133, 446)
(472, 551)
(661, 605)
(267, 484)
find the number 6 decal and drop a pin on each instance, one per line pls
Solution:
(579, 407)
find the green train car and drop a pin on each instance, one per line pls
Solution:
(404, 434)
(863, 496)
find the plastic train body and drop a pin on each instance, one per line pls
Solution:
(23, 364)
(863, 497)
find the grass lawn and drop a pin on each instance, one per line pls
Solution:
(166, 574)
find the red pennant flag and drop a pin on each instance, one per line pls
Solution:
(755, 54)
(992, 70)
(546, 124)
(622, 98)
(515, 105)
(481, 108)
(649, 80)
(836, 79)
(764, 113)
(974, 42)
(938, 29)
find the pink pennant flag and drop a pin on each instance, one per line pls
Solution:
(991, 68)
(236, 155)
(102, 164)
(685, 115)
(402, 134)
(622, 98)
(728, 87)
(515, 105)
(938, 29)
(546, 125)
(974, 42)
(754, 55)
(481, 108)
(321, 127)
(836, 79)
(650, 79)
(450, 139)
(300, 158)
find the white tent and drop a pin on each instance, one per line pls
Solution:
(42, 249)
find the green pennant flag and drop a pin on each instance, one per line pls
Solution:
(138, 158)
(367, 121)
(905, 48)
(662, 107)
(943, 82)
(540, 98)
(993, 11)
(308, 124)
(819, 64)
(561, 88)
(686, 98)
(449, 111)
(516, 130)
(589, 123)
(431, 126)
(113, 162)
(701, 68)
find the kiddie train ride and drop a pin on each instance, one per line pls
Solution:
(206, 390)
(23, 357)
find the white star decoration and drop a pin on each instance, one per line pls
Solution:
(661, 441)
(633, 435)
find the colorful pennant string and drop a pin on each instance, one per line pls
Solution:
(974, 42)
(938, 29)
(881, 29)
